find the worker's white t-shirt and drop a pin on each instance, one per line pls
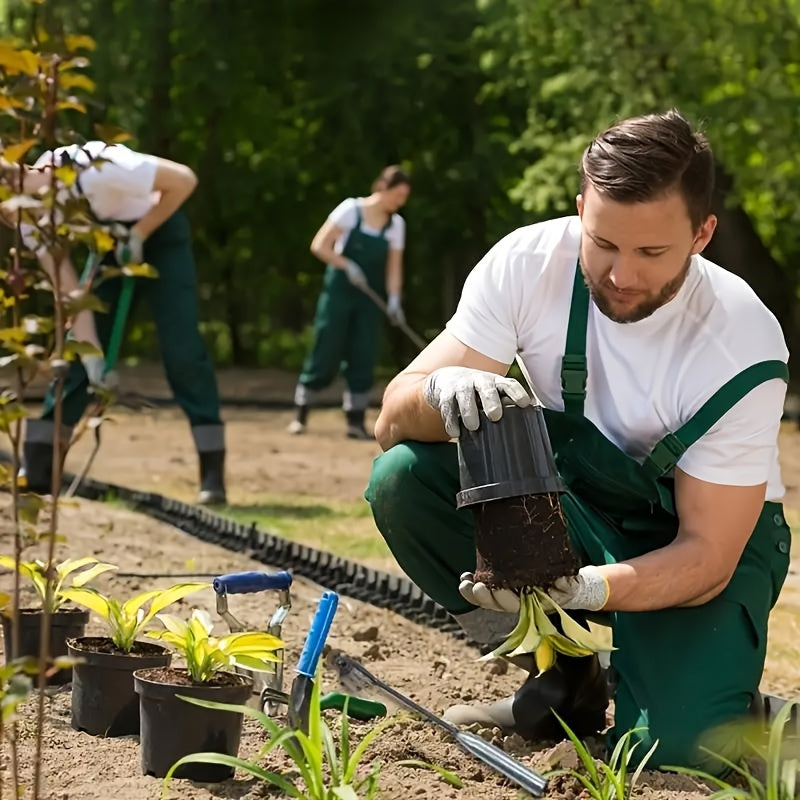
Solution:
(345, 217)
(118, 185)
(646, 378)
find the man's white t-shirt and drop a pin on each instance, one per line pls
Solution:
(345, 217)
(646, 378)
(118, 186)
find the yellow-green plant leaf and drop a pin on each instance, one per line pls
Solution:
(140, 270)
(15, 152)
(76, 41)
(76, 80)
(345, 792)
(15, 61)
(91, 573)
(103, 241)
(91, 599)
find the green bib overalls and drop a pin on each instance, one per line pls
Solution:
(172, 298)
(347, 323)
(682, 671)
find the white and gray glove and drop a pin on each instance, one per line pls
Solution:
(394, 310)
(129, 250)
(452, 391)
(588, 590)
(355, 274)
(95, 371)
(479, 594)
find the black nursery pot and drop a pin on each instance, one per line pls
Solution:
(104, 702)
(510, 482)
(172, 728)
(64, 624)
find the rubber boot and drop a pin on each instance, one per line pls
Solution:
(212, 478)
(36, 470)
(575, 688)
(355, 425)
(298, 424)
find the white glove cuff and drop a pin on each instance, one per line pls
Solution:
(593, 589)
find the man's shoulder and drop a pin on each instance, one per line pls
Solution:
(552, 233)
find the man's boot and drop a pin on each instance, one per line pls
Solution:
(575, 688)
(355, 425)
(210, 443)
(36, 473)
(298, 424)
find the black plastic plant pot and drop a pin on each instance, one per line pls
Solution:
(510, 482)
(104, 702)
(171, 728)
(64, 624)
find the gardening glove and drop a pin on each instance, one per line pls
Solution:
(587, 590)
(394, 310)
(95, 371)
(130, 250)
(479, 594)
(355, 274)
(452, 391)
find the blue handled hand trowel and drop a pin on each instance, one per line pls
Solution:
(303, 684)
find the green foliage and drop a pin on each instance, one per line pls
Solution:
(608, 781)
(16, 685)
(72, 572)
(328, 770)
(206, 654)
(779, 753)
(126, 620)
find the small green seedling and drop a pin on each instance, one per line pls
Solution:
(73, 572)
(779, 753)
(206, 654)
(125, 621)
(607, 781)
(327, 771)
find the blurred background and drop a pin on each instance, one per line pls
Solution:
(285, 107)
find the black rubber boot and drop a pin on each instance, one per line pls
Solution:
(575, 688)
(355, 425)
(37, 467)
(212, 478)
(298, 424)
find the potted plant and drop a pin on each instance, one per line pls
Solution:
(103, 698)
(65, 621)
(172, 728)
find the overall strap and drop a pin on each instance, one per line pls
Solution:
(666, 454)
(357, 226)
(573, 365)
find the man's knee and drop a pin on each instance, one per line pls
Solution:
(394, 478)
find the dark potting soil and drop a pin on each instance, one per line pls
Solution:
(180, 677)
(102, 644)
(522, 542)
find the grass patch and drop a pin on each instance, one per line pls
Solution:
(346, 529)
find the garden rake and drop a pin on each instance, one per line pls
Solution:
(247, 583)
(381, 303)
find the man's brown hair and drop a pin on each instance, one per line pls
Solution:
(644, 158)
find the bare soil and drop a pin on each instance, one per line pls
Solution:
(154, 451)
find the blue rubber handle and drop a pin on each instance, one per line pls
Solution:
(246, 582)
(317, 634)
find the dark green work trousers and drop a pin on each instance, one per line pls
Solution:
(172, 298)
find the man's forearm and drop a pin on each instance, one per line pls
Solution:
(673, 576)
(406, 416)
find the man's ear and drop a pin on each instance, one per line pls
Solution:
(703, 236)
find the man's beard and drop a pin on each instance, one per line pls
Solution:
(646, 307)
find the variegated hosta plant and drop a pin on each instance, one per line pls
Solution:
(206, 654)
(125, 621)
(73, 572)
(535, 633)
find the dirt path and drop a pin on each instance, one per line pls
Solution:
(154, 451)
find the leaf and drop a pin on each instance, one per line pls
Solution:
(74, 41)
(76, 80)
(345, 792)
(15, 152)
(103, 242)
(140, 270)
(448, 776)
(66, 175)
(15, 61)
(89, 598)
(73, 348)
(90, 574)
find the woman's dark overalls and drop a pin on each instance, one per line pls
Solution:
(347, 323)
(682, 671)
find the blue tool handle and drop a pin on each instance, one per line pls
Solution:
(246, 582)
(317, 634)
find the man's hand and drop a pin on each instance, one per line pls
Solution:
(587, 590)
(130, 250)
(355, 274)
(479, 594)
(452, 391)
(394, 310)
(95, 367)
